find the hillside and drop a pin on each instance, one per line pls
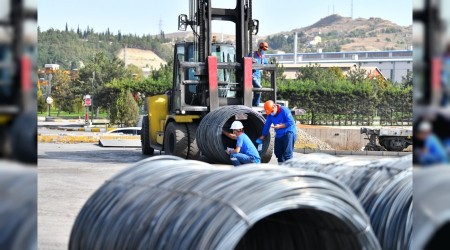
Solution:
(337, 34)
(359, 34)
(141, 58)
(72, 48)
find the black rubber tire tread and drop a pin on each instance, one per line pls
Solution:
(194, 151)
(145, 138)
(176, 140)
(386, 143)
(24, 138)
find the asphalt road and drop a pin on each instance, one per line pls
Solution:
(69, 174)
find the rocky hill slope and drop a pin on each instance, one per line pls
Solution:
(337, 33)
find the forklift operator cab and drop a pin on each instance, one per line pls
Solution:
(185, 51)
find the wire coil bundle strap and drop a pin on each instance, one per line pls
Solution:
(212, 143)
(384, 188)
(166, 202)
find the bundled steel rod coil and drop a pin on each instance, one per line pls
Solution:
(18, 208)
(384, 188)
(431, 208)
(212, 142)
(165, 202)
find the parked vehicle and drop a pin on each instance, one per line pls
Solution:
(121, 137)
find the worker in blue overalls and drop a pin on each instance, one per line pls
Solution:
(258, 57)
(245, 151)
(280, 118)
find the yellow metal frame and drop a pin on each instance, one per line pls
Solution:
(5, 119)
(158, 113)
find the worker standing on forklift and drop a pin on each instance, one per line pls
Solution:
(258, 57)
(280, 118)
(244, 152)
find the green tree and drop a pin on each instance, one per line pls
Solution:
(62, 92)
(357, 75)
(42, 105)
(125, 112)
(407, 81)
(96, 74)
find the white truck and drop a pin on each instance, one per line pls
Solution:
(387, 139)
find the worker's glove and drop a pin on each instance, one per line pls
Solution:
(254, 60)
(259, 141)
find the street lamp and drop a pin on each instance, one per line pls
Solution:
(49, 100)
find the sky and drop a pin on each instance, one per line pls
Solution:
(142, 17)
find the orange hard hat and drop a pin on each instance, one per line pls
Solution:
(268, 106)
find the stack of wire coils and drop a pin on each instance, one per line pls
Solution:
(384, 188)
(212, 143)
(18, 208)
(431, 208)
(166, 202)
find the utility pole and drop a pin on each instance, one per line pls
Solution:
(92, 98)
(351, 10)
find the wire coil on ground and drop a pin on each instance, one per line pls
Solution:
(384, 188)
(431, 208)
(213, 144)
(18, 208)
(169, 203)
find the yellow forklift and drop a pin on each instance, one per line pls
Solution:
(212, 87)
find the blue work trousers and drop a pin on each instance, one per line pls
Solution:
(284, 147)
(256, 95)
(239, 158)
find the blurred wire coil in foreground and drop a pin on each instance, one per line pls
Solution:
(431, 208)
(165, 202)
(18, 208)
(384, 188)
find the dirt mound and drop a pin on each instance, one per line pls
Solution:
(141, 58)
(305, 140)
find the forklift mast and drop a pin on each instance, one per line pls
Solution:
(207, 91)
(14, 98)
(18, 120)
(201, 16)
(429, 16)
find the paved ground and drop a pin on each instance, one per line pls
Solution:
(69, 174)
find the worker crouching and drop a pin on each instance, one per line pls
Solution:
(244, 152)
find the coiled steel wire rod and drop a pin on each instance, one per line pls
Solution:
(213, 144)
(431, 208)
(384, 188)
(18, 208)
(165, 202)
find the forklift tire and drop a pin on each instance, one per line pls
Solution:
(194, 151)
(24, 138)
(145, 137)
(176, 140)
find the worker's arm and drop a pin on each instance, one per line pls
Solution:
(236, 150)
(266, 127)
(229, 135)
